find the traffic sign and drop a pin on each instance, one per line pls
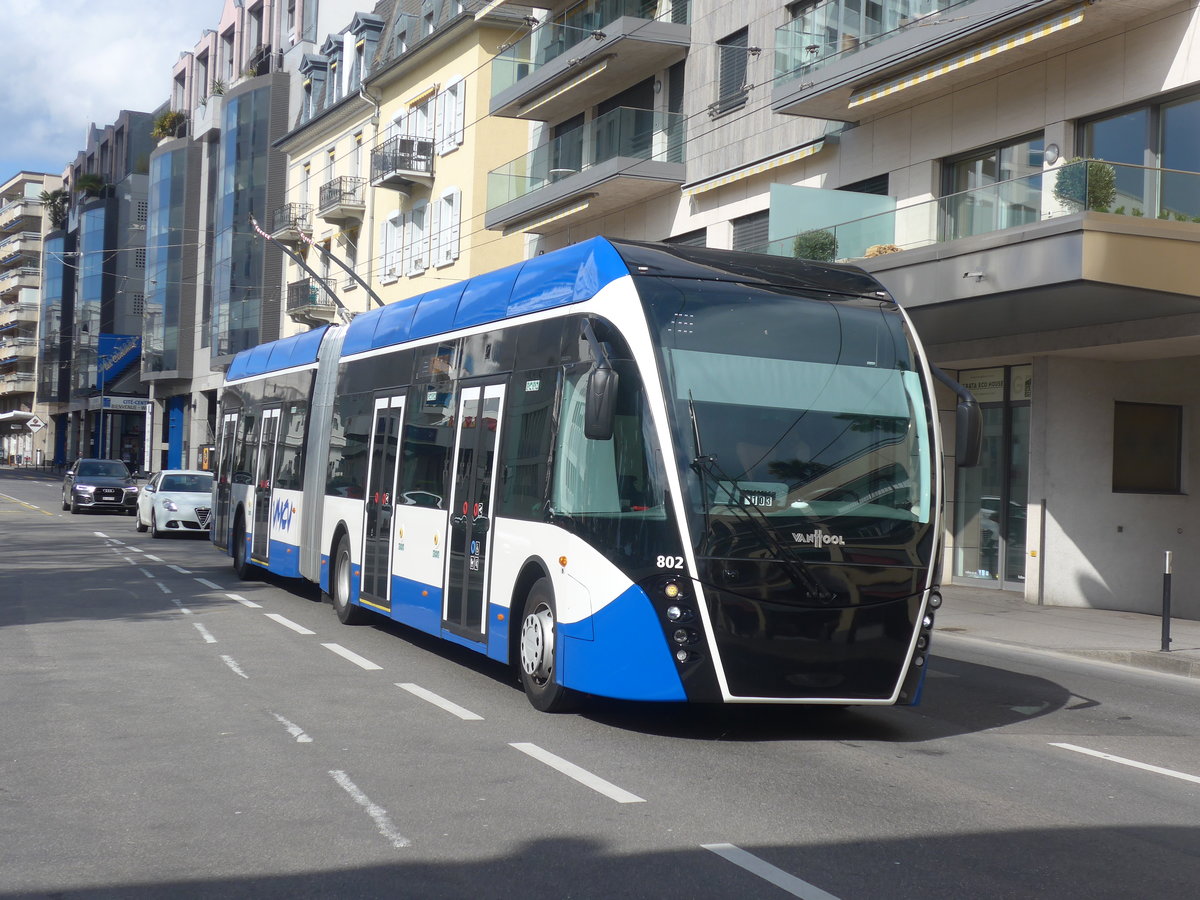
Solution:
(35, 424)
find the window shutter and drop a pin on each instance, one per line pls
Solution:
(750, 232)
(459, 103)
(435, 235)
(441, 124)
(453, 213)
(382, 254)
(405, 254)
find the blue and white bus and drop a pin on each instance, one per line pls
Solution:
(630, 470)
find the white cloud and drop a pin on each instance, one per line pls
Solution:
(78, 63)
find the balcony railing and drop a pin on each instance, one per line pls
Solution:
(838, 28)
(342, 197)
(15, 210)
(307, 296)
(582, 22)
(1091, 185)
(290, 221)
(622, 132)
(401, 160)
(24, 242)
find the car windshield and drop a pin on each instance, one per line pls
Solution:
(187, 484)
(102, 468)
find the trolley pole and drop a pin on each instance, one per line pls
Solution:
(1166, 605)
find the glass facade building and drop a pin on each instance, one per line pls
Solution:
(166, 240)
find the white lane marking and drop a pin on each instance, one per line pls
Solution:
(418, 691)
(181, 570)
(1158, 770)
(129, 559)
(205, 633)
(162, 587)
(155, 558)
(137, 549)
(209, 584)
(583, 776)
(288, 623)
(146, 572)
(100, 534)
(376, 812)
(22, 502)
(237, 670)
(242, 600)
(183, 609)
(795, 886)
(352, 656)
(294, 730)
(118, 543)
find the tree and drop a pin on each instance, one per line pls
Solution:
(1086, 185)
(56, 202)
(819, 246)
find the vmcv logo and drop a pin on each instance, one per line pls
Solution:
(281, 514)
(818, 538)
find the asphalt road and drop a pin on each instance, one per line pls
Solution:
(168, 731)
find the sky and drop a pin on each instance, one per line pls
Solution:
(72, 63)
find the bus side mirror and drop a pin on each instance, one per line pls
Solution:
(968, 432)
(601, 405)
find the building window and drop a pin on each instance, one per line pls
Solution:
(416, 239)
(750, 232)
(1147, 448)
(697, 238)
(447, 213)
(877, 185)
(450, 106)
(732, 89)
(390, 233)
(992, 188)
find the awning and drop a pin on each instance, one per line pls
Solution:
(757, 168)
(1046, 27)
(421, 97)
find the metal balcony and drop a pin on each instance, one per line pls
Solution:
(617, 159)
(851, 61)
(290, 221)
(309, 302)
(589, 52)
(343, 199)
(400, 162)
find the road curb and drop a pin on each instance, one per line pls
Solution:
(1146, 660)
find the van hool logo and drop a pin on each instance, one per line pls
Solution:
(818, 538)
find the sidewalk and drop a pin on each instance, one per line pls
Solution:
(1131, 639)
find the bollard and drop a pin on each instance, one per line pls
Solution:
(1166, 606)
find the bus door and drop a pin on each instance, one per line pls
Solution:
(382, 472)
(224, 480)
(471, 496)
(262, 485)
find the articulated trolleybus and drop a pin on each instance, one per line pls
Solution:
(628, 470)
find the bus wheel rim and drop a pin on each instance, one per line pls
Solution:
(537, 644)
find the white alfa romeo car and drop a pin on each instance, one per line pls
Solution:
(175, 501)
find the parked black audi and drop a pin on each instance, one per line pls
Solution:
(99, 484)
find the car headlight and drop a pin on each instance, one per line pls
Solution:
(170, 506)
(132, 489)
(85, 488)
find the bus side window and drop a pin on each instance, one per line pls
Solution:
(289, 455)
(428, 437)
(351, 432)
(246, 448)
(527, 436)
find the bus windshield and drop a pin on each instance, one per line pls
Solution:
(792, 411)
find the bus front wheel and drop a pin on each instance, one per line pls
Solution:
(339, 587)
(539, 630)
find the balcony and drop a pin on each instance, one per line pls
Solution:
(1089, 244)
(343, 200)
(26, 243)
(206, 118)
(848, 60)
(15, 349)
(309, 302)
(23, 214)
(13, 281)
(290, 221)
(401, 162)
(17, 383)
(620, 158)
(14, 315)
(593, 50)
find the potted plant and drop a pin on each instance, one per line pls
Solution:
(820, 246)
(1088, 185)
(91, 184)
(56, 203)
(168, 124)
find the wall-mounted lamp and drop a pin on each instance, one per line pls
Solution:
(1051, 154)
(978, 276)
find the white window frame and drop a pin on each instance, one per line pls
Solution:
(391, 231)
(416, 244)
(451, 103)
(447, 222)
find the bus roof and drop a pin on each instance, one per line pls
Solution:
(559, 278)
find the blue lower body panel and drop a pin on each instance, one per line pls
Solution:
(628, 659)
(417, 604)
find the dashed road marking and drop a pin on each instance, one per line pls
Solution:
(583, 776)
(450, 707)
(155, 558)
(1133, 763)
(232, 663)
(359, 661)
(795, 886)
(205, 633)
(294, 730)
(209, 584)
(181, 570)
(242, 600)
(376, 812)
(162, 587)
(288, 623)
(146, 572)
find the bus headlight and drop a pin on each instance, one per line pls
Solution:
(927, 622)
(671, 590)
(935, 599)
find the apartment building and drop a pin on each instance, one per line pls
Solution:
(21, 225)
(386, 172)
(214, 284)
(938, 143)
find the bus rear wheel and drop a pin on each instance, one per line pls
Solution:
(339, 587)
(539, 631)
(241, 565)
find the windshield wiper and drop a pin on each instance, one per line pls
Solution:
(798, 571)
